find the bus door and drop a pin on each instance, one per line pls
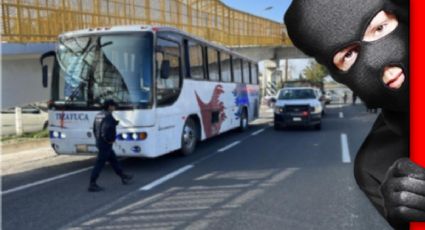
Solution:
(168, 87)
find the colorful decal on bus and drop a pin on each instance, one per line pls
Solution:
(241, 98)
(214, 107)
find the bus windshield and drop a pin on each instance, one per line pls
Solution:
(99, 67)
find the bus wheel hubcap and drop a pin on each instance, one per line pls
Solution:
(188, 136)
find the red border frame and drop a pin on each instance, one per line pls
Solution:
(417, 80)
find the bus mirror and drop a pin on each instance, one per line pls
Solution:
(45, 70)
(165, 69)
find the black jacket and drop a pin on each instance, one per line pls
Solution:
(104, 128)
(387, 142)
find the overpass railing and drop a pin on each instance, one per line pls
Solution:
(25, 21)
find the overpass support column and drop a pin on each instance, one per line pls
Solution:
(270, 77)
(286, 69)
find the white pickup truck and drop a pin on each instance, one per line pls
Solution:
(34, 119)
(298, 106)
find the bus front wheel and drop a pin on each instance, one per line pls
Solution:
(189, 137)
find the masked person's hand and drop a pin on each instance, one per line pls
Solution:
(403, 191)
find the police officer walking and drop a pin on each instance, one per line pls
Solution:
(104, 129)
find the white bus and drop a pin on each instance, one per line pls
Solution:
(173, 89)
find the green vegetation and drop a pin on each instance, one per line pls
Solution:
(315, 72)
(26, 136)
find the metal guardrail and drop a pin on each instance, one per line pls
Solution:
(26, 21)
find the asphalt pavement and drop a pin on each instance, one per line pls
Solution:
(259, 179)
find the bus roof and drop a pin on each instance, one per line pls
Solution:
(142, 28)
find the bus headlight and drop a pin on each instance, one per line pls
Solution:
(57, 135)
(132, 136)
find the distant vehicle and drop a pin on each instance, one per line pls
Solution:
(317, 86)
(173, 89)
(328, 98)
(321, 97)
(269, 101)
(333, 96)
(298, 106)
(34, 118)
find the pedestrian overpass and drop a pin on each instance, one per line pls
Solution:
(30, 28)
(41, 21)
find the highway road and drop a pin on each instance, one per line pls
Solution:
(259, 179)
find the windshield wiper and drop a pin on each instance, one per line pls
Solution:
(89, 80)
(92, 70)
(76, 91)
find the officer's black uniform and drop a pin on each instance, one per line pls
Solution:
(104, 129)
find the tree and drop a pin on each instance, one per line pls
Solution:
(301, 76)
(315, 72)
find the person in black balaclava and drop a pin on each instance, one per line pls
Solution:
(365, 45)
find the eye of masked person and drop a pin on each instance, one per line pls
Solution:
(381, 25)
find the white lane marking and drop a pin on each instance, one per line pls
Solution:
(282, 175)
(223, 149)
(206, 176)
(165, 178)
(345, 151)
(100, 211)
(229, 146)
(150, 186)
(341, 115)
(44, 181)
(257, 132)
(23, 187)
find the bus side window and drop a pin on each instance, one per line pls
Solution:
(237, 70)
(254, 71)
(168, 85)
(250, 72)
(246, 72)
(226, 68)
(213, 67)
(196, 61)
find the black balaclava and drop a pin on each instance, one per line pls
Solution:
(321, 28)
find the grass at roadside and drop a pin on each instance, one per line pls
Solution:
(26, 136)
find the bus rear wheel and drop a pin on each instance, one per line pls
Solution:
(189, 137)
